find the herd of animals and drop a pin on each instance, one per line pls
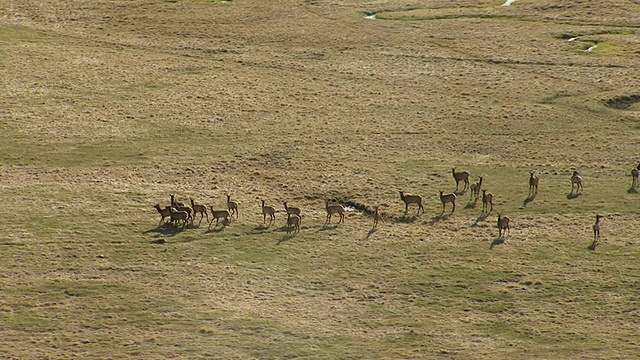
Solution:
(179, 213)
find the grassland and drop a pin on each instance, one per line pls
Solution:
(107, 107)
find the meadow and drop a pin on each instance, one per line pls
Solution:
(108, 107)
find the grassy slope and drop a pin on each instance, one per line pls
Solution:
(109, 107)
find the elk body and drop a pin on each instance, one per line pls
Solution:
(487, 199)
(333, 209)
(475, 189)
(461, 176)
(533, 183)
(411, 199)
(270, 211)
(504, 225)
(576, 181)
(448, 198)
(596, 229)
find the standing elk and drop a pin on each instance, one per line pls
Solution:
(504, 225)
(333, 209)
(576, 181)
(475, 189)
(268, 210)
(487, 199)
(377, 216)
(533, 183)
(411, 199)
(596, 229)
(461, 176)
(232, 206)
(448, 198)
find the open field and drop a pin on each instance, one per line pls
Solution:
(107, 107)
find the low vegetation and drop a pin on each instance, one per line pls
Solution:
(110, 107)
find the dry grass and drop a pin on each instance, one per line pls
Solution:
(108, 107)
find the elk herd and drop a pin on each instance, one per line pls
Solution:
(178, 213)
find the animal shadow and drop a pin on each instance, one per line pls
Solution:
(158, 241)
(529, 199)
(165, 229)
(481, 218)
(216, 229)
(632, 190)
(287, 237)
(405, 219)
(438, 218)
(371, 232)
(471, 204)
(327, 226)
(571, 196)
(260, 228)
(496, 242)
(460, 192)
(593, 245)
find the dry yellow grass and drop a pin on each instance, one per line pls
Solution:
(107, 107)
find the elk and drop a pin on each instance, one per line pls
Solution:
(533, 183)
(634, 175)
(377, 215)
(164, 213)
(179, 215)
(268, 210)
(504, 225)
(291, 210)
(411, 199)
(576, 181)
(218, 214)
(449, 198)
(596, 229)
(487, 199)
(198, 208)
(293, 223)
(461, 176)
(232, 206)
(175, 203)
(333, 209)
(475, 189)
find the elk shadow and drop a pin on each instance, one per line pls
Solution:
(571, 196)
(405, 219)
(286, 238)
(329, 226)
(218, 228)
(529, 199)
(593, 245)
(632, 190)
(496, 242)
(261, 229)
(166, 230)
(471, 204)
(461, 192)
(371, 232)
(442, 217)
